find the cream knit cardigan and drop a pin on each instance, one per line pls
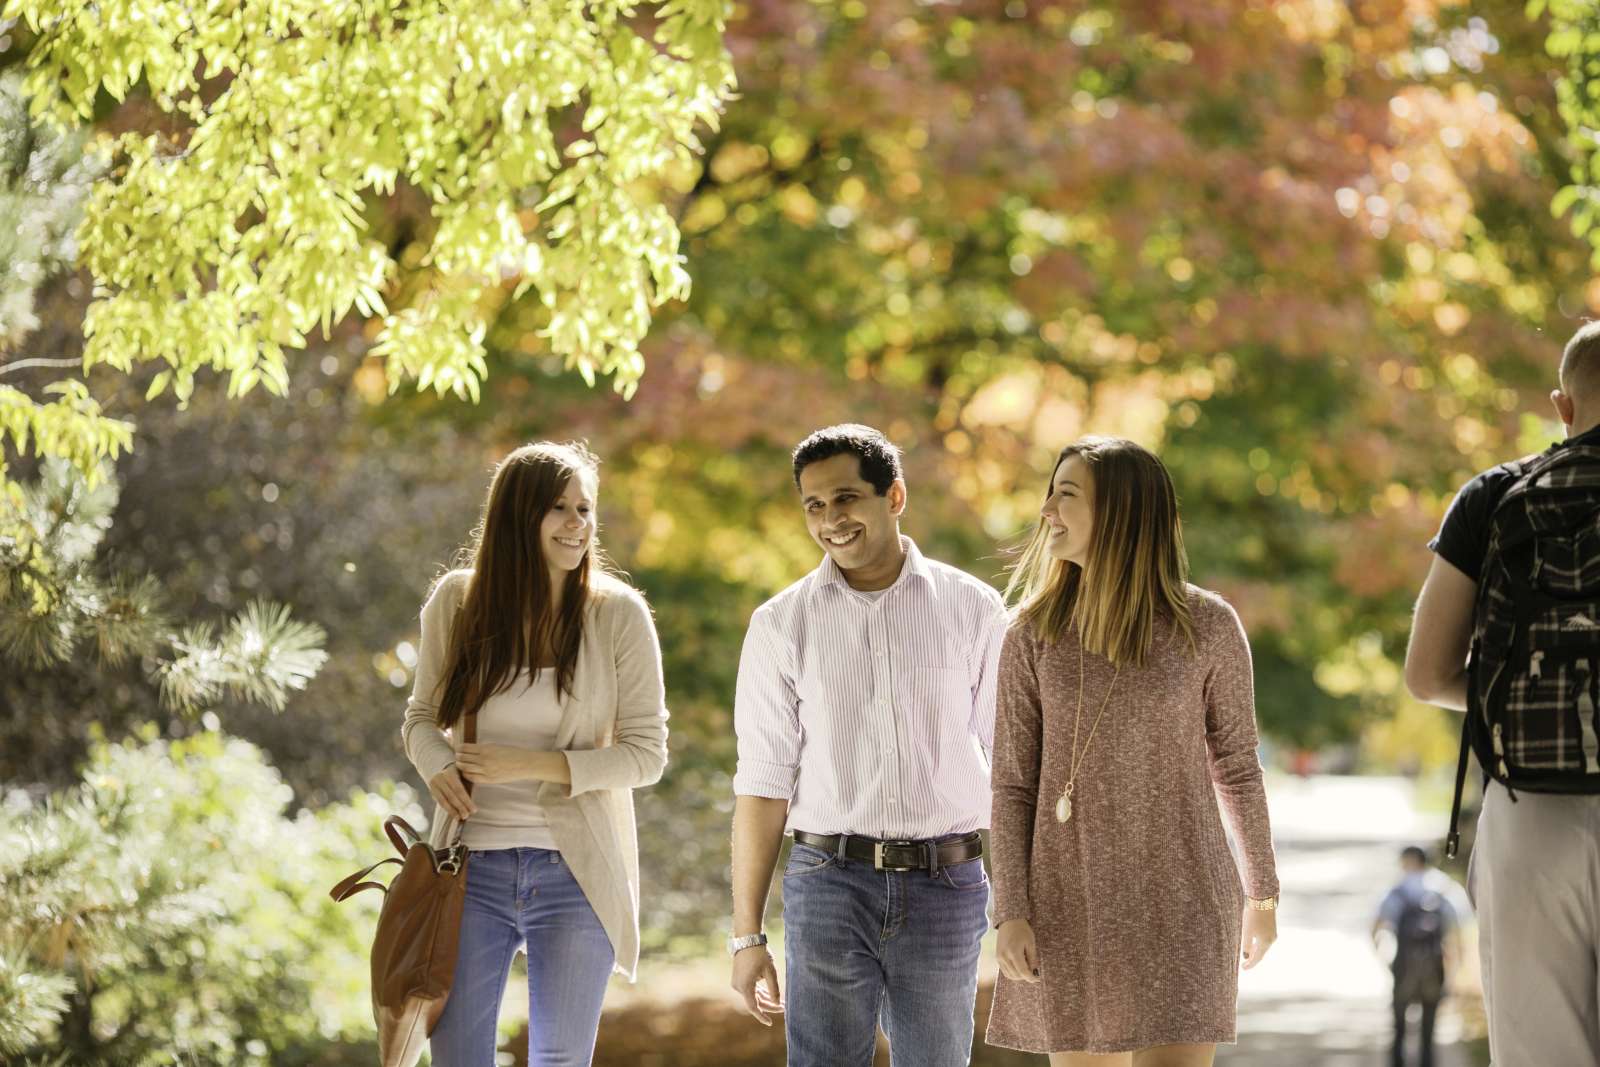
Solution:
(613, 732)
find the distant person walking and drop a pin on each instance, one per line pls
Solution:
(1419, 920)
(1126, 710)
(1515, 582)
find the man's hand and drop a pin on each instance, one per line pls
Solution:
(1017, 951)
(450, 793)
(1260, 931)
(755, 978)
(757, 838)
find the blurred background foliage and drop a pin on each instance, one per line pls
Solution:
(170, 909)
(1304, 249)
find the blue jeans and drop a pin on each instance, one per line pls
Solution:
(865, 947)
(525, 897)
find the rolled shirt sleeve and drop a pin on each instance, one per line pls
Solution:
(766, 716)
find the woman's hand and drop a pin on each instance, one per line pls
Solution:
(1260, 931)
(1017, 951)
(493, 764)
(450, 793)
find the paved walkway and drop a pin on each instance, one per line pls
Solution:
(1321, 997)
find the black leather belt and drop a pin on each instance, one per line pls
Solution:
(897, 855)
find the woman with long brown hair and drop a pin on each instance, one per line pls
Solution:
(1125, 710)
(557, 662)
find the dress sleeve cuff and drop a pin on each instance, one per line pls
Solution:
(1012, 911)
(1262, 890)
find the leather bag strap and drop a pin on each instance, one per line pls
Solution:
(469, 735)
(354, 884)
(399, 831)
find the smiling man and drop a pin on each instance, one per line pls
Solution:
(865, 715)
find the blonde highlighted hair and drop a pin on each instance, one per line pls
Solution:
(1136, 568)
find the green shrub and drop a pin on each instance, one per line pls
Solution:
(170, 910)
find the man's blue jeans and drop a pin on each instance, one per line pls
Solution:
(865, 947)
(517, 897)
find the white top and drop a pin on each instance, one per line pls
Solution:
(613, 732)
(509, 815)
(872, 715)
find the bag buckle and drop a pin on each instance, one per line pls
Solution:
(450, 861)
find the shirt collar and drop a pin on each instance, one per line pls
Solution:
(915, 565)
(1591, 436)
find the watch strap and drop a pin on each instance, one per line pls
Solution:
(737, 945)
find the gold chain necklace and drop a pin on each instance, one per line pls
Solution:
(1064, 804)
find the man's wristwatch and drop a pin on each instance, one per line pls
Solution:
(737, 945)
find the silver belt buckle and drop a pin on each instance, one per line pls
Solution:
(877, 855)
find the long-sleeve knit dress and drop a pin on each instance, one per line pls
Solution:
(1136, 902)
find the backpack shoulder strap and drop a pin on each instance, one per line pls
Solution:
(1506, 521)
(1535, 467)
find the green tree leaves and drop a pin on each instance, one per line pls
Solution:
(222, 239)
(1575, 39)
(71, 427)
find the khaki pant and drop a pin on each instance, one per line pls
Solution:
(1534, 878)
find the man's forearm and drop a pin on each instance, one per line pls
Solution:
(758, 824)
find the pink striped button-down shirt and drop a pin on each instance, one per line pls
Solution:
(872, 713)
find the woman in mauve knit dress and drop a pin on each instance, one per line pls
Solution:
(1126, 711)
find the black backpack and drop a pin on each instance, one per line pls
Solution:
(1419, 949)
(1534, 668)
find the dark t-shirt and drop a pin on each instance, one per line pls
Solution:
(1463, 537)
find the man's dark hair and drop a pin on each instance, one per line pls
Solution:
(880, 460)
(1412, 852)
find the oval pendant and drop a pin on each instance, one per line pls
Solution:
(1063, 808)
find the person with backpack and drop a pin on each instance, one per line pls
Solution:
(1419, 917)
(1507, 629)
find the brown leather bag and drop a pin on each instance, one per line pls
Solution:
(419, 932)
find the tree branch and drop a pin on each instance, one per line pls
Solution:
(24, 364)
